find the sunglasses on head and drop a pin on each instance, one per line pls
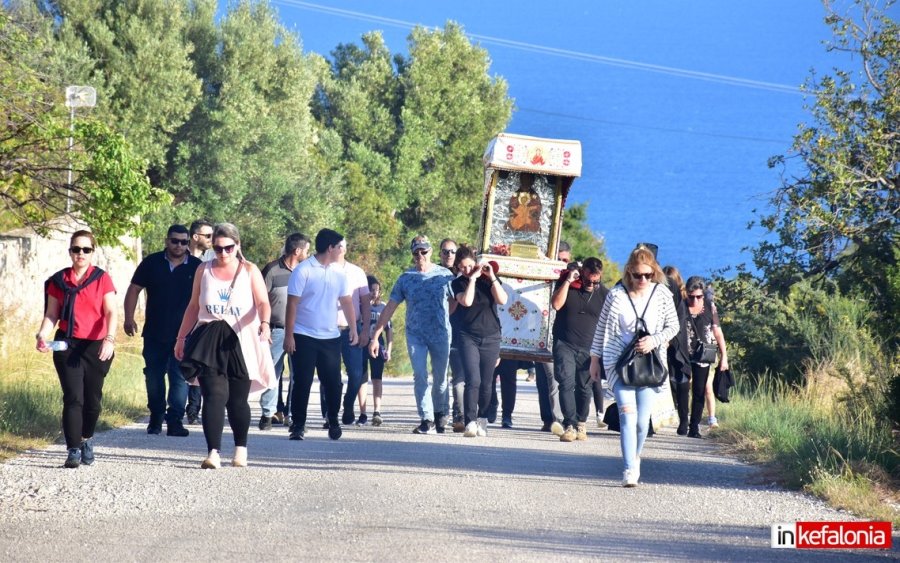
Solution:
(637, 275)
(226, 249)
(181, 241)
(81, 250)
(448, 251)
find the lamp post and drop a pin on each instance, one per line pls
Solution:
(76, 97)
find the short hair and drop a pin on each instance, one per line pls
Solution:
(83, 233)
(327, 238)
(199, 224)
(446, 240)
(177, 229)
(564, 247)
(372, 280)
(695, 282)
(593, 265)
(295, 241)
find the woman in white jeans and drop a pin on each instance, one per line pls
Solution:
(644, 287)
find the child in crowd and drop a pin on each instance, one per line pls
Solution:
(385, 343)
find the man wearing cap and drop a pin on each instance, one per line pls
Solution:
(426, 289)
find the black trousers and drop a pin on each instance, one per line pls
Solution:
(507, 371)
(479, 356)
(81, 375)
(699, 375)
(313, 355)
(573, 372)
(221, 393)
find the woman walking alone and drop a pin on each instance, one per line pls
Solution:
(228, 323)
(642, 289)
(83, 300)
(477, 292)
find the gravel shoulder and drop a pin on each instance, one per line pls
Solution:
(387, 494)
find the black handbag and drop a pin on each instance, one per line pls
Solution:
(636, 369)
(706, 352)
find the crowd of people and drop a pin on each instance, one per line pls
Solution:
(218, 328)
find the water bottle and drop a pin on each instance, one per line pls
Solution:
(58, 345)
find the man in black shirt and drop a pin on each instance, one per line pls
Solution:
(168, 277)
(577, 300)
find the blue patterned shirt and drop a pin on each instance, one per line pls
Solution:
(426, 295)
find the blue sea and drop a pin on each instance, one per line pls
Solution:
(678, 105)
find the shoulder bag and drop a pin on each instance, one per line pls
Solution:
(636, 369)
(706, 352)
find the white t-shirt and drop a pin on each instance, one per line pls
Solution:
(359, 287)
(319, 288)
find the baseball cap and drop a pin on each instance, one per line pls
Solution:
(419, 243)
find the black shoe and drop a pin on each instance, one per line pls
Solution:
(694, 433)
(177, 430)
(348, 417)
(426, 427)
(74, 458)
(440, 425)
(325, 425)
(507, 422)
(193, 419)
(265, 423)
(87, 451)
(362, 419)
(682, 429)
(335, 432)
(278, 418)
(154, 428)
(296, 433)
(546, 427)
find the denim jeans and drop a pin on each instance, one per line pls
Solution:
(548, 393)
(194, 401)
(635, 405)
(159, 361)
(457, 382)
(479, 356)
(316, 355)
(269, 399)
(353, 363)
(434, 393)
(573, 373)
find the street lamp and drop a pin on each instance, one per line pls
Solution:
(76, 97)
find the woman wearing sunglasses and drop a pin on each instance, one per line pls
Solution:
(642, 292)
(702, 327)
(83, 300)
(227, 320)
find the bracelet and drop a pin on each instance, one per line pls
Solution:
(266, 322)
(110, 338)
(497, 280)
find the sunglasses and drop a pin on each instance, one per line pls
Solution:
(81, 250)
(448, 251)
(181, 241)
(420, 252)
(205, 235)
(589, 283)
(695, 297)
(638, 276)
(226, 249)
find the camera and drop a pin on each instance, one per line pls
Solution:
(573, 265)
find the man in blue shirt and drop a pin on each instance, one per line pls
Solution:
(168, 277)
(426, 290)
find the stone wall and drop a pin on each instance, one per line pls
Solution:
(27, 260)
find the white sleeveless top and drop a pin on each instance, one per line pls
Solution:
(220, 302)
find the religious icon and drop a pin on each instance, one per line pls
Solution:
(525, 207)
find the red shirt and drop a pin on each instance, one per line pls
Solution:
(90, 322)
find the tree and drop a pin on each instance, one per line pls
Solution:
(109, 187)
(839, 219)
(585, 243)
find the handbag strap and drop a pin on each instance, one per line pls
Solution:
(641, 318)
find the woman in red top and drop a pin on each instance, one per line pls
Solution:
(82, 300)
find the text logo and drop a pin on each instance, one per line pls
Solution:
(832, 535)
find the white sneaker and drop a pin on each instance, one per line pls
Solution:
(713, 422)
(600, 423)
(212, 461)
(240, 457)
(557, 429)
(471, 430)
(630, 478)
(482, 427)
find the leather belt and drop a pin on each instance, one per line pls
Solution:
(343, 327)
(277, 325)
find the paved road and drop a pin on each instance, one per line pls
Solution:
(387, 494)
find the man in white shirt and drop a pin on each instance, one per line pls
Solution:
(312, 337)
(353, 354)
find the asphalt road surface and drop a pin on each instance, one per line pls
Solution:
(385, 494)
